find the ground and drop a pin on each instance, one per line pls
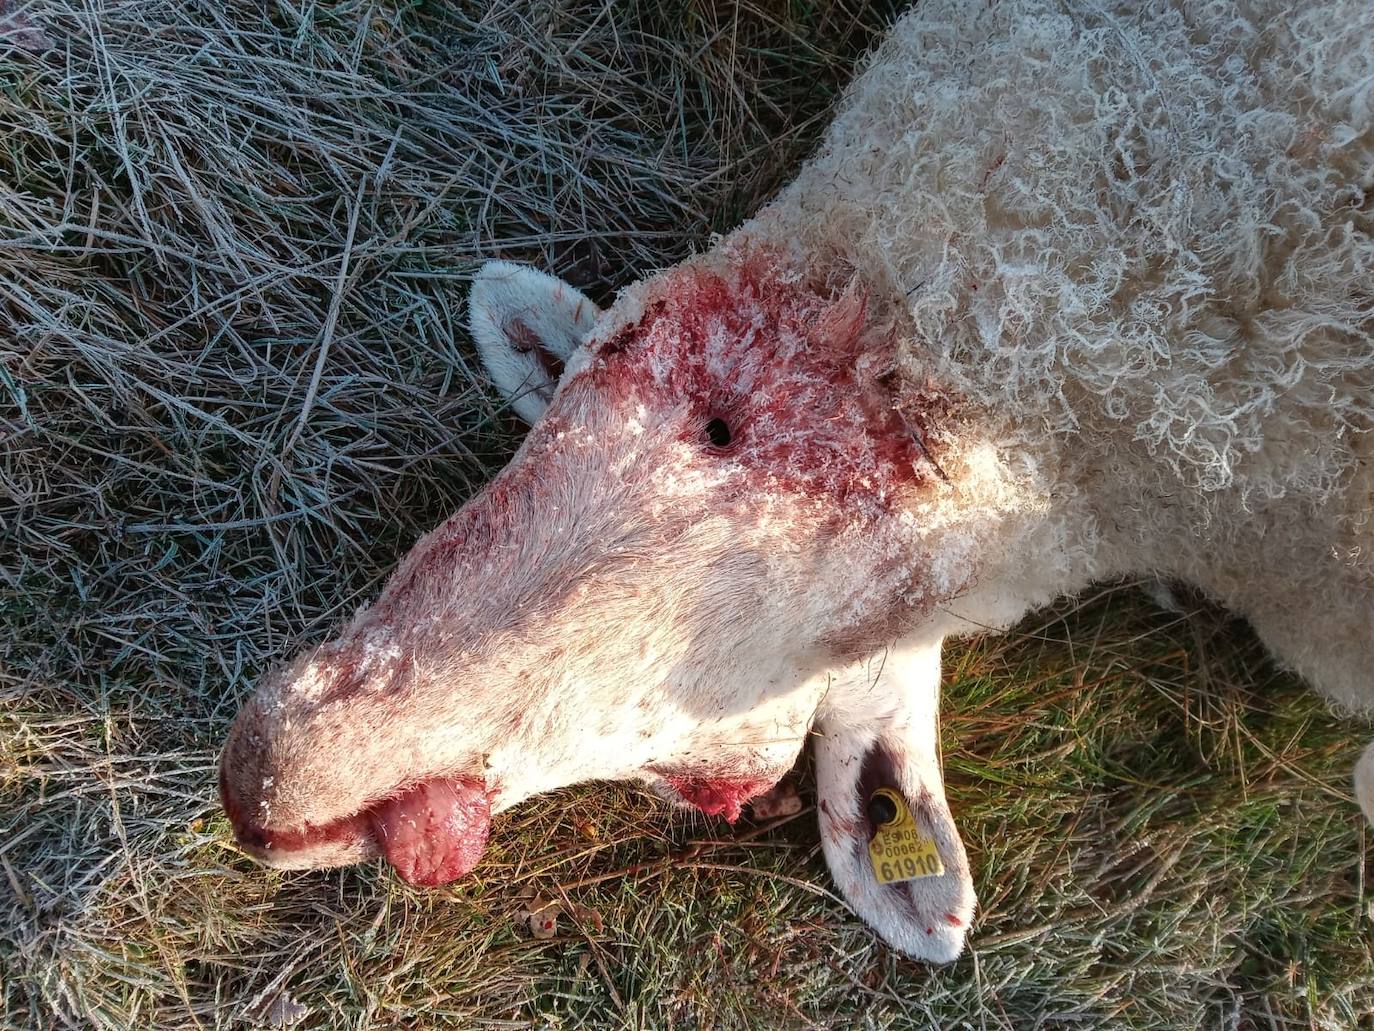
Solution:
(235, 386)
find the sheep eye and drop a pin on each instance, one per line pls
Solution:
(718, 433)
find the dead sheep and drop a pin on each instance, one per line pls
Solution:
(1070, 292)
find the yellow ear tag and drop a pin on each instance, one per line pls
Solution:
(898, 850)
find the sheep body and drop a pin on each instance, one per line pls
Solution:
(1138, 241)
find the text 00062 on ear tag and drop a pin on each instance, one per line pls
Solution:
(898, 850)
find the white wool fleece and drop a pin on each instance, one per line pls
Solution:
(1139, 239)
(1152, 221)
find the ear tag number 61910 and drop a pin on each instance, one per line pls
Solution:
(898, 850)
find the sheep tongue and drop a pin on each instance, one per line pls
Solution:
(435, 832)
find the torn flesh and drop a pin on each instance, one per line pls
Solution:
(435, 832)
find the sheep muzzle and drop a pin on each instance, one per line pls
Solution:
(432, 833)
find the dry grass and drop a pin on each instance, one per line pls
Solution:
(234, 386)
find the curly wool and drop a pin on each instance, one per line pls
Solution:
(1144, 229)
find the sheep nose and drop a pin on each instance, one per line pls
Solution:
(246, 832)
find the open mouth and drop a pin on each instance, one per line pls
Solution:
(433, 832)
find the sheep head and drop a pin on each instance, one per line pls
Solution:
(703, 551)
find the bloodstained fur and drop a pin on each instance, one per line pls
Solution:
(782, 362)
(720, 797)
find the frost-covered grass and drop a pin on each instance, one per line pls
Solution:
(234, 387)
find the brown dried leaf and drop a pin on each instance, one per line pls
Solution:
(539, 916)
(278, 1012)
(585, 916)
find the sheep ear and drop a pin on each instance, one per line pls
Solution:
(526, 324)
(888, 835)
